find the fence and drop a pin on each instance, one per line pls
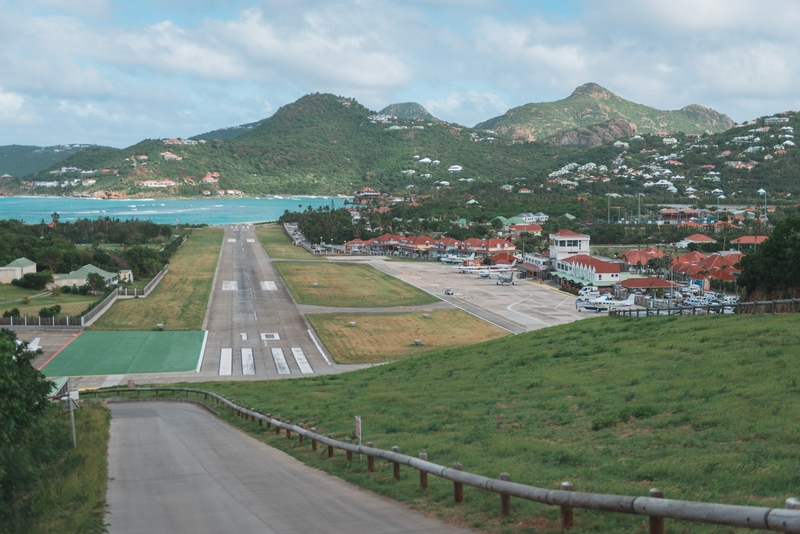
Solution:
(98, 310)
(35, 321)
(656, 507)
(741, 308)
(124, 292)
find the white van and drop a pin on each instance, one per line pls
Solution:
(588, 293)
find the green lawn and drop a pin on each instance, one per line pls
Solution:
(11, 296)
(180, 300)
(70, 304)
(704, 408)
(348, 284)
(278, 245)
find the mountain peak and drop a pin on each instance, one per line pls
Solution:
(592, 90)
(408, 110)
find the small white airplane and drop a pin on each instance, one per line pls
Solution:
(604, 303)
(452, 259)
(484, 273)
(505, 279)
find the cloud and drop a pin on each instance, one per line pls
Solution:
(93, 8)
(10, 104)
(472, 105)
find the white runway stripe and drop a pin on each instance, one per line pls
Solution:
(226, 362)
(301, 360)
(270, 337)
(231, 241)
(248, 364)
(268, 286)
(280, 362)
(251, 240)
(230, 285)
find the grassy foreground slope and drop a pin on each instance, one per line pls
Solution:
(179, 302)
(704, 408)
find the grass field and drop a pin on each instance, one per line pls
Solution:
(386, 337)
(11, 295)
(70, 304)
(701, 407)
(119, 353)
(278, 245)
(348, 285)
(179, 302)
(72, 496)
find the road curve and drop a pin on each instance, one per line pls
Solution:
(177, 468)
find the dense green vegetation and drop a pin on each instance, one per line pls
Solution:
(773, 268)
(46, 485)
(590, 105)
(612, 405)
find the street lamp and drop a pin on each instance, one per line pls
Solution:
(762, 192)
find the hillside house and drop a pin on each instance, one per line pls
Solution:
(158, 183)
(80, 277)
(16, 269)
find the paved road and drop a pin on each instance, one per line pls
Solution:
(176, 468)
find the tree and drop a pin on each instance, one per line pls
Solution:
(96, 282)
(37, 281)
(22, 401)
(775, 265)
(55, 217)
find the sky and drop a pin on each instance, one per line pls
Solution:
(114, 72)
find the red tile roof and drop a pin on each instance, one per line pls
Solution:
(700, 238)
(647, 283)
(600, 266)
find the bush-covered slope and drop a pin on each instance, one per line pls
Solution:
(408, 110)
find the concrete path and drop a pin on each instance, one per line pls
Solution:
(175, 468)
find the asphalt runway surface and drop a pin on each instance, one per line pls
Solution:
(176, 468)
(525, 306)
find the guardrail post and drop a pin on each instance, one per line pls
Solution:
(567, 513)
(505, 498)
(139, 393)
(313, 441)
(260, 421)
(656, 522)
(370, 460)
(395, 465)
(330, 447)
(277, 428)
(157, 392)
(423, 475)
(288, 430)
(268, 423)
(173, 393)
(300, 436)
(349, 453)
(458, 487)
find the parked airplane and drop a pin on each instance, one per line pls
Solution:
(604, 303)
(491, 268)
(452, 259)
(505, 279)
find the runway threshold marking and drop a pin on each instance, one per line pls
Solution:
(243, 336)
(302, 362)
(269, 286)
(231, 241)
(230, 285)
(226, 362)
(280, 362)
(251, 240)
(248, 363)
(270, 337)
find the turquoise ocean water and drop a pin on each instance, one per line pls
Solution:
(199, 211)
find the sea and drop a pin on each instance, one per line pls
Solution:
(212, 211)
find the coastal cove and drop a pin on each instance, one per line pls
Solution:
(213, 211)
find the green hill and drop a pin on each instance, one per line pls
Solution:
(21, 160)
(701, 407)
(226, 134)
(590, 105)
(408, 110)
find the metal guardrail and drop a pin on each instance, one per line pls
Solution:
(656, 507)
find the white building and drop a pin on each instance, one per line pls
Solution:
(566, 243)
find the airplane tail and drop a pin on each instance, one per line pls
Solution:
(471, 256)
